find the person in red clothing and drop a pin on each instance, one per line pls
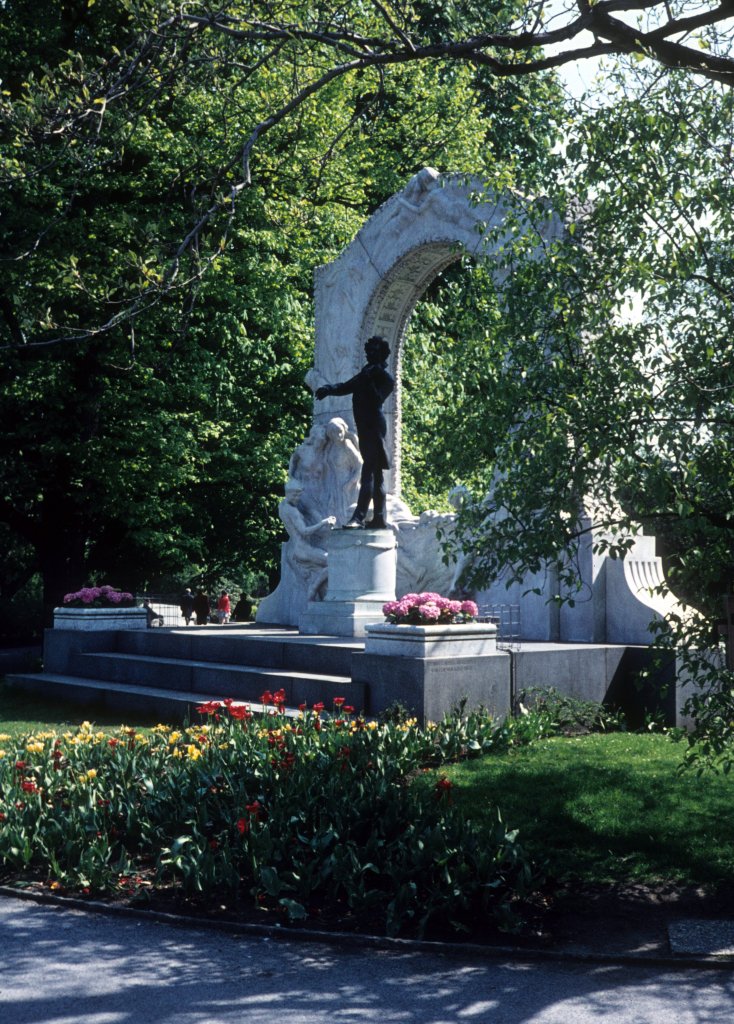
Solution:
(224, 608)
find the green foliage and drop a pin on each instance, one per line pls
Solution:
(449, 364)
(613, 404)
(692, 643)
(22, 615)
(309, 817)
(561, 715)
(156, 313)
(613, 397)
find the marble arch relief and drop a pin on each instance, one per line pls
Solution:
(375, 283)
(372, 288)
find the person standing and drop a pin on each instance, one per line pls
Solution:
(202, 608)
(224, 608)
(186, 604)
(369, 389)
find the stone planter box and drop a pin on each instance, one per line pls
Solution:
(467, 640)
(100, 618)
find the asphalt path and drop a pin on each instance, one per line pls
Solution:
(62, 966)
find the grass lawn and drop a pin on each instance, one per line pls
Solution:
(608, 808)
(21, 713)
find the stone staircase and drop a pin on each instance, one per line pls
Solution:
(169, 671)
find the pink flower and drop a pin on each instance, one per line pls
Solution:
(100, 597)
(428, 608)
(430, 612)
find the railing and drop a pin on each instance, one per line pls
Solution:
(168, 615)
(507, 619)
(168, 612)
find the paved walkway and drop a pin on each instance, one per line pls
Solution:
(62, 966)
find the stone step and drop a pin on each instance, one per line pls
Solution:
(206, 679)
(265, 649)
(125, 698)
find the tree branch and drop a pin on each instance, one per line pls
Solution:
(319, 46)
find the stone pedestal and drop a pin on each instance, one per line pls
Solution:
(362, 566)
(286, 603)
(430, 687)
(462, 640)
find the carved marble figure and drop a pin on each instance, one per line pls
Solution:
(307, 466)
(343, 469)
(304, 557)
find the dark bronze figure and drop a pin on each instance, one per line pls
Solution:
(369, 389)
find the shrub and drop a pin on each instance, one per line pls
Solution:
(555, 714)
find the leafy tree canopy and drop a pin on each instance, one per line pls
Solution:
(155, 309)
(614, 392)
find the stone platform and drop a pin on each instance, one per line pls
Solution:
(169, 671)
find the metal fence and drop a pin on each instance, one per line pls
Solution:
(168, 614)
(507, 619)
(505, 616)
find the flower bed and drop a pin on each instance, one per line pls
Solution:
(428, 625)
(306, 818)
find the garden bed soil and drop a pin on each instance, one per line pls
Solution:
(629, 918)
(616, 919)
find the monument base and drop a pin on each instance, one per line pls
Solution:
(459, 640)
(431, 687)
(89, 619)
(339, 618)
(362, 569)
